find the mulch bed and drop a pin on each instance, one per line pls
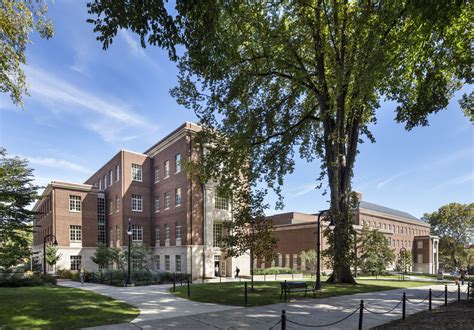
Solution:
(457, 315)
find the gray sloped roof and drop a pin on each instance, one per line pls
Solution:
(387, 210)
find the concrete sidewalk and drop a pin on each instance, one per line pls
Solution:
(183, 314)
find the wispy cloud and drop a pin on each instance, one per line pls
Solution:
(392, 178)
(136, 49)
(300, 190)
(57, 163)
(110, 119)
(459, 180)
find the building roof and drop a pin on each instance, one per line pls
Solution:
(386, 210)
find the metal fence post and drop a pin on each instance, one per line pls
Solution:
(245, 294)
(429, 308)
(189, 289)
(404, 305)
(283, 320)
(445, 295)
(285, 290)
(459, 292)
(468, 287)
(361, 314)
(174, 282)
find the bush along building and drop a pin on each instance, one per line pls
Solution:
(180, 219)
(297, 232)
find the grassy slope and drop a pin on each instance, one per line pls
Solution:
(57, 307)
(269, 292)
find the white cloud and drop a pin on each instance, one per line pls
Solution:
(300, 190)
(136, 49)
(57, 163)
(459, 180)
(392, 178)
(111, 119)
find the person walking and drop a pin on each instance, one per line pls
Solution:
(82, 276)
(237, 271)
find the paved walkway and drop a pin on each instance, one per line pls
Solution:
(162, 310)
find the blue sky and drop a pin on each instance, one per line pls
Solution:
(87, 103)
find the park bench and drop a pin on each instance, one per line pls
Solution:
(290, 287)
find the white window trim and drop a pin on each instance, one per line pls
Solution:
(141, 172)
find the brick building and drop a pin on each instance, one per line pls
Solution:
(179, 219)
(296, 232)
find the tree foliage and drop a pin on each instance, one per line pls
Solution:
(404, 261)
(17, 192)
(281, 78)
(52, 255)
(375, 253)
(454, 224)
(103, 256)
(309, 259)
(18, 18)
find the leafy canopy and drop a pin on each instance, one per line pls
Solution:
(375, 253)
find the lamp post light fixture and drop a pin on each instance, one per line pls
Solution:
(331, 226)
(55, 243)
(129, 233)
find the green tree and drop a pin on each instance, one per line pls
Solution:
(309, 259)
(18, 18)
(404, 261)
(52, 255)
(454, 224)
(103, 256)
(375, 253)
(270, 79)
(17, 192)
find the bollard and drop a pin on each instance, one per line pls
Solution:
(174, 282)
(429, 301)
(283, 320)
(361, 314)
(284, 287)
(445, 295)
(245, 294)
(220, 278)
(404, 305)
(264, 277)
(189, 289)
(459, 292)
(468, 286)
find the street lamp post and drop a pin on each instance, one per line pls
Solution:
(129, 233)
(318, 248)
(45, 239)
(403, 255)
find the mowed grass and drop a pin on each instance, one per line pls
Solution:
(58, 307)
(232, 293)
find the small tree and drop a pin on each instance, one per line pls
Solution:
(52, 255)
(141, 255)
(103, 256)
(309, 259)
(404, 261)
(376, 255)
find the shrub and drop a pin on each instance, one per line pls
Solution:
(65, 274)
(274, 271)
(20, 280)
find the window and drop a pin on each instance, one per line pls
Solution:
(167, 169)
(419, 258)
(178, 231)
(110, 178)
(167, 232)
(75, 233)
(157, 235)
(137, 203)
(158, 263)
(167, 200)
(137, 233)
(74, 203)
(117, 234)
(105, 182)
(101, 233)
(177, 197)
(178, 264)
(101, 238)
(221, 203)
(157, 175)
(117, 173)
(167, 263)
(177, 160)
(117, 203)
(419, 244)
(384, 226)
(217, 234)
(157, 204)
(100, 184)
(136, 172)
(111, 206)
(75, 262)
(295, 261)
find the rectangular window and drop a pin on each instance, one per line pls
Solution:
(178, 263)
(167, 169)
(111, 177)
(420, 244)
(137, 203)
(117, 234)
(100, 184)
(105, 182)
(178, 231)
(157, 235)
(217, 234)
(117, 203)
(167, 200)
(111, 206)
(177, 197)
(167, 263)
(221, 203)
(117, 173)
(137, 233)
(158, 262)
(75, 234)
(157, 175)
(177, 160)
(75, 262)
(157, 204)
(101, 233)
(167, 232)
(136, 172)
(101, 220)
(74, 203)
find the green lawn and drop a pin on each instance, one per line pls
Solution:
(58, 307)
(232, 293)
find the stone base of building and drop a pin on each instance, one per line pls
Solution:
(425, 268)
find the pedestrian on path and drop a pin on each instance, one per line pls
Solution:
(237, 271)
(82, 275)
